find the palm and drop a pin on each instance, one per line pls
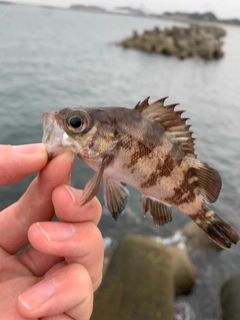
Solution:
(15, 279)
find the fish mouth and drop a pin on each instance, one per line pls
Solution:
(52, 135)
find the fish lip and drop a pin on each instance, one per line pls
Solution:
(52, 134)
(47, 127)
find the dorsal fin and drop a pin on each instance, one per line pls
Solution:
(175, 127)
(142, 105)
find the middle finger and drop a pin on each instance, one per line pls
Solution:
(78, 242)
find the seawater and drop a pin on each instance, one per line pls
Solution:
(51, 59)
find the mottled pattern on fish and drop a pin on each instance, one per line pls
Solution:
(149, 147)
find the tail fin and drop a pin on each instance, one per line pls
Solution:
(216, 228)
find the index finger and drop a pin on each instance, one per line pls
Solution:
(16, 162)
(35, 204)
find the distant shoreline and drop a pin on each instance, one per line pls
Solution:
(205, 19)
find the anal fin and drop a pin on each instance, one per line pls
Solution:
(161, 212)
(115, 196)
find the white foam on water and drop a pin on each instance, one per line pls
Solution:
(184, 311)
(176, 240)
(107, 241)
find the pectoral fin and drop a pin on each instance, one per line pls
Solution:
(161, 212)
(92, 186)
(115, 196)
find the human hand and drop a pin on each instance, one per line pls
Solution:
(55, 277)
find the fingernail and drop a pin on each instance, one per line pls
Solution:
(29, 148)
(56, 231)
(37, 295)
(69, 190)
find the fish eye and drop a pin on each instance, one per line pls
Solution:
(78, 122)
(75, 122)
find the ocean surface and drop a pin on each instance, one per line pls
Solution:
(51, 59)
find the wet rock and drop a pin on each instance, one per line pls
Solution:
(184, 273)
(195, 238)
(199, 41)
(141, 281)
(230, 295)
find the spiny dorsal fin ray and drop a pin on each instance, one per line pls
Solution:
(141, 105)
(174, 125)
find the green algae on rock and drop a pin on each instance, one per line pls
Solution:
(139, 283)
(230, 295)
(142, 280)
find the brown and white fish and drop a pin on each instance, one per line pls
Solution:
(150, 148)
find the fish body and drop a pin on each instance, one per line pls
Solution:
(150, 148)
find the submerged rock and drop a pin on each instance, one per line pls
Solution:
(141, 281)
(204, 42)
(183, 271)
(195, 238)
(230, 295)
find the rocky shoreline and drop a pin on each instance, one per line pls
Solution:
(196, 41)
(142, 280)
(144, 277)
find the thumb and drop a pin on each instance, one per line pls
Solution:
(16, 162)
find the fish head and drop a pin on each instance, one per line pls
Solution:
(66, 130)
(81, 131)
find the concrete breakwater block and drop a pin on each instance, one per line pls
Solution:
(140, 282)
(230, 299)
(195, 238)
(196, 41)
(183, 271)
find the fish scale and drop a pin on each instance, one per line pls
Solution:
(150, 148)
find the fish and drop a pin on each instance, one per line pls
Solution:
(150, 148)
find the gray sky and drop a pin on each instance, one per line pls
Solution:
(222, 8)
